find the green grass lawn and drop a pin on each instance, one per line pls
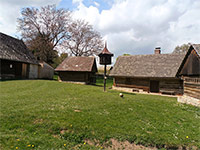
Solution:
(109, 82)
(42, 114)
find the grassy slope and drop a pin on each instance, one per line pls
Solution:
(36, 111)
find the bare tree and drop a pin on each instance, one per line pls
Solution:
(59, 59)
(182, 49)
(84, 40)
(42, 49)
(45, 28)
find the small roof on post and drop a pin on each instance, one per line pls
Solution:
(105, 51)
(105, 56)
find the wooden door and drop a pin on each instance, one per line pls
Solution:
(24, 70)
(154, 86)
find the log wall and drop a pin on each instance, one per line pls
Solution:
(192, 87)
(132, 83)
(191, 66)
(86, 77)
(175, 86)
(166, 85)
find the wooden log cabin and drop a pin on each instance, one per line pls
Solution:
(157, 73)
(16, 61)
(78, 69)
(190, 72)
(190, 66)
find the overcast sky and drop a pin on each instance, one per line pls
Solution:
(129, 26)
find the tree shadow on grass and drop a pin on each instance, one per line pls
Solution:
(96, 85)
(21, 79)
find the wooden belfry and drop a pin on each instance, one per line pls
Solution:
(105, 59)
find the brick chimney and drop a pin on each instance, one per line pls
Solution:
(157, 50)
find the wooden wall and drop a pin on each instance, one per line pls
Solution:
(87, 77)
(33, 71)
(132, 83)
(192, 65)
(13, 69)
(166, 85)
(171, 85)
(45, 71)
(192, 87)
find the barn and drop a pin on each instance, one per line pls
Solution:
(190, 73)
(190, 66)
(156, 73)
(16, 61)
(78, 69)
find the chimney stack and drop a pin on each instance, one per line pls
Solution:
(157, 50)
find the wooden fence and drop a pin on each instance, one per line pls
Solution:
(192, 87)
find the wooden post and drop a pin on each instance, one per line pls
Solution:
(105, 59)
(104, 78)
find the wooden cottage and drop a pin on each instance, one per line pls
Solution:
(78, 69)
(16, 61)
(159, 73)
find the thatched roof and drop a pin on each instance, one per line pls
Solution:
(15, 50)
(156, 65)
(83, 64)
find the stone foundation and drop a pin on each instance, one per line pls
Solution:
(83, 83)
(132, 90)
(189, 100)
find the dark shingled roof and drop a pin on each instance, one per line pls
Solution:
(156, 65)
(84, 64)
(197, 48)
(14, 49)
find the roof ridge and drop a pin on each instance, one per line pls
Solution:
(153, 54)
(151, 65)
(77, 63)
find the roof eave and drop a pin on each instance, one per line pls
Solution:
(58, 70)
(28, 62)
(125, 76)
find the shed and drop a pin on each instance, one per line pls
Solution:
(16, 61)
(45, 71)
(78, 69)
(159, 73)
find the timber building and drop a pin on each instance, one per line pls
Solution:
(16, 61)
(159, 73)
(78, 69)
